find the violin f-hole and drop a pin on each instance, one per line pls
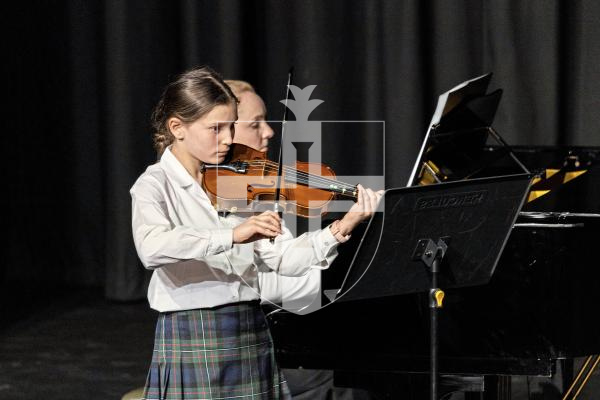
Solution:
(269, 184)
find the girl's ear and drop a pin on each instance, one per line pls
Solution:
(176, 127)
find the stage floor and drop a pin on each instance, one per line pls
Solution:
(79, 346)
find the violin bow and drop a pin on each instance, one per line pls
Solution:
(280, 158)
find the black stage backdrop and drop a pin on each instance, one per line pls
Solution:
(83, 77)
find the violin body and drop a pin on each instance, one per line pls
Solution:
(246, 182)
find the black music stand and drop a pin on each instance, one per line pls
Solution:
(450, 233)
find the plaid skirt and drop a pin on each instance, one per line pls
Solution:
(224, 352)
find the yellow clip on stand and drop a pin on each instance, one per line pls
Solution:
(438, 297)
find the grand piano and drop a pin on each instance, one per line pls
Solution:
(538, 312)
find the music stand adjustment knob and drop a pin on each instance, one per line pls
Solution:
(438, 297)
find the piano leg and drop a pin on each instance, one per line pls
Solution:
(499, 387)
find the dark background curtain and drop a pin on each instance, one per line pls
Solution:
(82, 78)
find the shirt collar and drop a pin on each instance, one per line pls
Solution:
(174, 169)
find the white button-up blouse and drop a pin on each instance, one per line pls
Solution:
(178, 233)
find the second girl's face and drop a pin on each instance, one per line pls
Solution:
(208, 138)
(252, 129)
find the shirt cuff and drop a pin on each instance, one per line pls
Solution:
(327, 238)
(325, 246)
(222, 240)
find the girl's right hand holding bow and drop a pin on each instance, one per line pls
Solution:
(263, 226)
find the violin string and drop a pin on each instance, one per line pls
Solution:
(348, 192)
(317, 181)
(313, 178)
(304, 178)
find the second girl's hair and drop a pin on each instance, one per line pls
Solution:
(239, 87)
(192, 95)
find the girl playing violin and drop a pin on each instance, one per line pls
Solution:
(211, 339)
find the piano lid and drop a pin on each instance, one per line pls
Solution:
(459, 129)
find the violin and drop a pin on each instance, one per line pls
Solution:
(246, 177)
